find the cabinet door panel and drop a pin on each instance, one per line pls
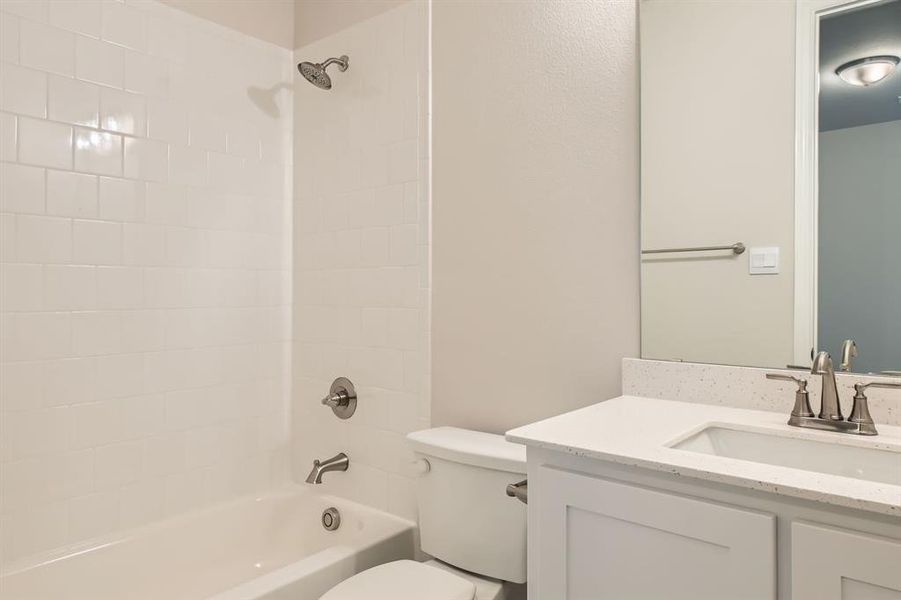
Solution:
(608, 540)
(836, 564)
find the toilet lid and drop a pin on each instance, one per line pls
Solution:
(403, 580)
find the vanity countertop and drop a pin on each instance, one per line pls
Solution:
(636, 431)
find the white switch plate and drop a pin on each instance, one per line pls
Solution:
(763, 260)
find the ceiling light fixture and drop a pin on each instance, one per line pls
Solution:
(867, 71)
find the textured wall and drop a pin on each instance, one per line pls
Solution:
(361, 255)
(145, 268)
(535, 187)
(269, 20)
(318, 19)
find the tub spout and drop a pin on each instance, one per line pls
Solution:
(339, 462)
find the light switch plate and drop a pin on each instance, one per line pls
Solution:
(763, 260)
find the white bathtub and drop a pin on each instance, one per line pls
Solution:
(270, 547)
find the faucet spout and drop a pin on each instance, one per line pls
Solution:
(339, 462)
(830, 409)
(849, 353)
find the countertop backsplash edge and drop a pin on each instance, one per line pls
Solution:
(747, 387)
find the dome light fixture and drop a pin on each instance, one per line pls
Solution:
(867, 71)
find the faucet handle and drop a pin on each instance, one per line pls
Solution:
(799, 380)
(802, 396)
(859, 388)
(860, 411)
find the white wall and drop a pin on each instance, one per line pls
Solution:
(535, 183)
(318, 19)
(717, 139)
(361, 255)
(145, 268)
(269, 20)
(859, 220)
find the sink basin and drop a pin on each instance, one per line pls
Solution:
(870, 464)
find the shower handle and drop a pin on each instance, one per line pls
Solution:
(342, 398)
(337, 399)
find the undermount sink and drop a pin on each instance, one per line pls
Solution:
(869, 464)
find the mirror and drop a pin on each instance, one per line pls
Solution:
(771, 181)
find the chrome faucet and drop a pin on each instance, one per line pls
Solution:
(830, 417)
(849, 353)
(830, 408)
(339, 462)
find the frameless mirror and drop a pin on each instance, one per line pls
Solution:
(771, 181)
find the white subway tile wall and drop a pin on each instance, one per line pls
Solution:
(361, 259)
(145, 220)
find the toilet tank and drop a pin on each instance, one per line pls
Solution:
(466, 518)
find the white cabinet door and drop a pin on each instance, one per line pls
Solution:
(603, 540)
(836, 564)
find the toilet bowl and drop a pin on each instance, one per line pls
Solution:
(474, 531)
(411, 580)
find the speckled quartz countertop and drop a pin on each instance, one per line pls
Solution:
(652, 426)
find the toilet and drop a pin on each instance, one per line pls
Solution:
(474, 531)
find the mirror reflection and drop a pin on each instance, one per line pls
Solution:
(771, 188)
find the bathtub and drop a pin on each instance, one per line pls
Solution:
(270, 547)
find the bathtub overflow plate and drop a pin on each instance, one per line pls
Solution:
(331, 518)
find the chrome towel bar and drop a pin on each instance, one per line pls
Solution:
(737, 248)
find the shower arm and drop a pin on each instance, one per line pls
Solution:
(342, 63)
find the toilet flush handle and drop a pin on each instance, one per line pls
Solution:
(420, 467)
(519, 490)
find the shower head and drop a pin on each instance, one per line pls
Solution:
(315, 72)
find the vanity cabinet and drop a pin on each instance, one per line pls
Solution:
(605, 531)
(606, 539)
(836, 564)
